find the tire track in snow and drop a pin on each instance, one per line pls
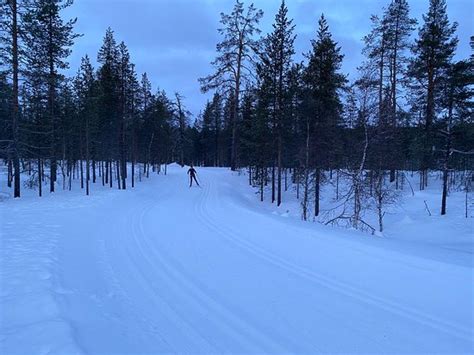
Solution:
(337, 286)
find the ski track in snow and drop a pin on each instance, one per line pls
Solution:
(167, 269)
(343, 288)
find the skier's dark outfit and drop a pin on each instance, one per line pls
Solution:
(192, 175)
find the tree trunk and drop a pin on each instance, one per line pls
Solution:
(133, 173)
(279, 173)
(40, 174)
(111, 175)
(94, 176)
(273, 183)
(51, 102)
(15, 103)
(317, 186)
(82, 175)
(87, 157)
(106, 172)
(10, 173)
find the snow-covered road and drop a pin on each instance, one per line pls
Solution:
(165, 268)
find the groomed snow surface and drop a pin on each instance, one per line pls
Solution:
(164, 268)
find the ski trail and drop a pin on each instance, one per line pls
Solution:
(204, 212)
(148, 272)
(200, 298)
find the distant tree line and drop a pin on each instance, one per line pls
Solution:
(302, 124)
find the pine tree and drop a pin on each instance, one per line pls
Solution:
(49, 39)
(433, 52)
(375, 51)
(217, 127)
(10, 53)
(234, 61)
(399, 28)
(181, 115)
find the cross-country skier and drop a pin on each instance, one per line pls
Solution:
(192, 175)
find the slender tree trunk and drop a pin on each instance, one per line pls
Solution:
(102, 174)
(306, 176)
(216, 139)
(273, 183)
(51, 103)
(15, 103)
(279, 173)
(117, 172)
(10, 173)
(392, 175)
(82, 174)
(106, 172)
(70, 176)
(133, 172)
(94, 176)
(87, 156)
(233, 156)
(445, 185)
(298, 178)
(317, 186)
(447, 157)
(111, 175)
(40, 175)
(122, 163)
(379, 196)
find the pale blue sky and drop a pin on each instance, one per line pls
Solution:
(174, 40)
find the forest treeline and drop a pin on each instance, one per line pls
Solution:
(408, 108)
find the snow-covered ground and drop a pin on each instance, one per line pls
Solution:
(164, 268)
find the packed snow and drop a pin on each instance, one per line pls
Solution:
(164, 268)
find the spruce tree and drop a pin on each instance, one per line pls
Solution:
(86, 91)
(109, 101)
(323, 83)
(457, 101)
(279, 51)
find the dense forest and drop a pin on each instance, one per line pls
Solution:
(285, 122)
